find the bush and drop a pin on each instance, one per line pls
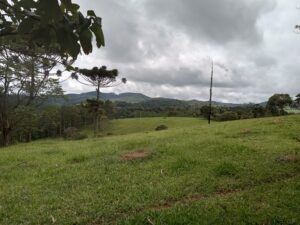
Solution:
(72, 133)
(227, 116)
(161, 127)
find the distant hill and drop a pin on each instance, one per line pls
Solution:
(72, 99)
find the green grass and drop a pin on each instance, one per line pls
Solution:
(144, 125)
(226, 173)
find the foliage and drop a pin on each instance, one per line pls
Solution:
(297, 100)
(54, 25)
(176, 185)
(25, 80)
(72, 133)
(161, 127)
(99, 78)
(226, 116)
(277, 102)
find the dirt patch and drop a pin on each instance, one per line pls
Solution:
(193, 198)
(292, 158)
(135, 155)
(277, 121)
(246, 131)
(169, 203)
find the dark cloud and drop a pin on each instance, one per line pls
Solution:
(220, 21)
(162, 47)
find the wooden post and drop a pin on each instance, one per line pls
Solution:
(210, 94)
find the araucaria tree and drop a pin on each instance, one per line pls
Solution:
(99, 78)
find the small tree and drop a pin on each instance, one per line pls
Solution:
(297, 100)
(277, 102)
(258, 111)
(99, 78)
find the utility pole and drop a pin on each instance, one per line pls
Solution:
(210, 95)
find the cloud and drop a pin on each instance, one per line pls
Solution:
(219, 21)
(163, 47)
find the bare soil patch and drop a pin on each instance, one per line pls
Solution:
(135, 155)
(277, 121)
(289, 158)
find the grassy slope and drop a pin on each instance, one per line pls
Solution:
(228, 173)
(144, 125)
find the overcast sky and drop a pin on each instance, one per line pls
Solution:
(163, 47)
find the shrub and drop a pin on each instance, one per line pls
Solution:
(72, 133)
(227, 116)
(161, 127)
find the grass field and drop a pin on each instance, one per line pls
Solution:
(241, 172)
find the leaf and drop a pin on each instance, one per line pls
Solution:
(68, 41)
(49, 11)
(26, 26)
(97, 30)
(86, 41)
(26, 4)
(67, 3)
(70, 6)
(91, 13)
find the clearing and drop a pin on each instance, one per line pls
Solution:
(240, 172)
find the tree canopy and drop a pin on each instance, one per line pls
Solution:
(50, 24)
(277, 102)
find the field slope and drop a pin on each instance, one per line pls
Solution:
(241, 172)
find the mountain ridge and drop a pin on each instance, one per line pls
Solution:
(132, 97)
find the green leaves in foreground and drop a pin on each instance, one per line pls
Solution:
(52, 25)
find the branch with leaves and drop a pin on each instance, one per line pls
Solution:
(50, 24)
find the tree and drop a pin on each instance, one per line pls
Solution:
(99, 78)
(208, 111)
(50, 24)
(25, 80)
(50, 122)
(277, 102)
(27, 123)
(297, 100)
(258, 111)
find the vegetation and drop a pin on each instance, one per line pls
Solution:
(277, 103)
(239, 172)
(244, 172)
(161, 127)
(99, 78)
(25, 81)
(35, 38)
(57, 26)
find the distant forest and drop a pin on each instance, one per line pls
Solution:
(54, 119)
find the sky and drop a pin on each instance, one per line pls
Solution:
(165, 47)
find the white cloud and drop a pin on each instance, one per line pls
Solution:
(162, 47)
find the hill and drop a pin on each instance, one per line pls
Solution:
(241, 172)
(71, 99)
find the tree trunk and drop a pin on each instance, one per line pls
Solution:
(29, 138)
(6, 133)
(96, 128)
